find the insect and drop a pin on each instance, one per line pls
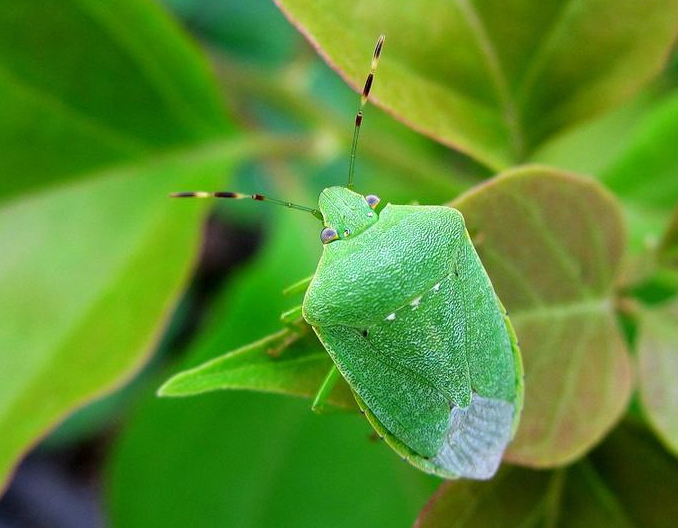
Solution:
(406, 311)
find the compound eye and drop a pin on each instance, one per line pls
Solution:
(372, 200)
(328, 234)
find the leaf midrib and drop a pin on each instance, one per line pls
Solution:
(510, 114)
(169, 390)
(588, 305)
(570, 386)
(545, 49)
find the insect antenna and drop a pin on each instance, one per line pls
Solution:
(363, 100)
(242, 196)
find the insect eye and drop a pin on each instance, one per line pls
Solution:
(328, 234)
(372, 200)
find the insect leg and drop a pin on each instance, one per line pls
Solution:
(320, 403)
(292, 316)
(295, 329)
(290, 338)
(298, 287)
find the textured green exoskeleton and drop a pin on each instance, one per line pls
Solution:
(405, 309)
(407, 312)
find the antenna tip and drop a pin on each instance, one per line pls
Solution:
(380, 44)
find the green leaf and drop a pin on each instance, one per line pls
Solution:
(234, 25)
(96, 268)
(668, 246)
(302, 365)
(247, 460)
(627, 482)
(552, 243)
(93, 84)
(256, 461)
(298, 371)
(644, 176)
(657, 285)
(658, 371)
(251, 303)
(650, 153)
(655, 275)
(658, 267)
(639, 166)
(106, 108)
(586, 148)
(491, 79)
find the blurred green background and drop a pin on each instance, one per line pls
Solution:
(107, 287)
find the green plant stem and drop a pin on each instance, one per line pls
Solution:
(553, 498)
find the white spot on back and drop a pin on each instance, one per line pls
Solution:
(415, 302)
(436, 287)
(391, 317)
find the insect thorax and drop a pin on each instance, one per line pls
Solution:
(365, 276)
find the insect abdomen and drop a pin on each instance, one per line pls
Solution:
(436, 369)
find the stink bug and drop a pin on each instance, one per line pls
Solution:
(406, 311)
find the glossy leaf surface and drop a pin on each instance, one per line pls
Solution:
(98, 125)
(298, 371)
(490, 78)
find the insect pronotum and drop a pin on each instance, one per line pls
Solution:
(406, 311)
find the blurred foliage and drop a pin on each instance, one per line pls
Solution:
(477, 76)
(107, 107)
(607, 488)
(668, 247)
(658, 370)
(97, 124)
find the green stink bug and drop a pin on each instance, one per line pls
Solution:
(406, 311)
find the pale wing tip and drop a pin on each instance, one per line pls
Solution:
(476, 438)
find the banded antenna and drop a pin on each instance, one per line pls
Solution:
(363, 101)
(351, 168)
(241, 196)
